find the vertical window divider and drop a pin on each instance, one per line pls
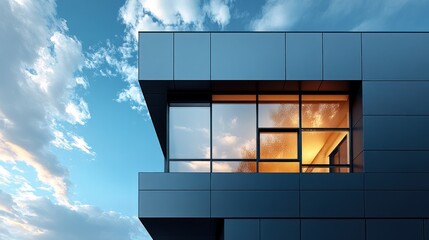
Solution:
(300, 131)
(211, 137)
(257, 134)
(167, 151)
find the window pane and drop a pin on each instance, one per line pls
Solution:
(189, 132)
(292, 167)
(234, 131)
(325, 111)
(281, 145)
(190, 166)
(278, 111)
(317, 146)
(224, 166)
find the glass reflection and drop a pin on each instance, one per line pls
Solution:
(317, 146)
(278, 111)
(190, 166)
(281, 145)
(234, 130)
(325, 169)
(227, 166)
(325, 111)
(284, 167)
(189, 136)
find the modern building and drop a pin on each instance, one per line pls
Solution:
(296, 135)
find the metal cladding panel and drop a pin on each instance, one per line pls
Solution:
(257, 181)
(342, 56)
(254, 204)
(396, 204)
(280, 229)
(174, 181)
(303, 56)
(426, 229)
(396, 133)
(155, 56)
(396, 161)
(248, 56)
(317, 229)
(395, 56)
(332, 204)
(332, 181)
(394, 229)
(397, 181)
(192, 56)
(396, 97)
(174, 204)
(241, 229)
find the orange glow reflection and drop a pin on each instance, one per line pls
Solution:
(285, 167)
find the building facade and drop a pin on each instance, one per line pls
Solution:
(296, 135)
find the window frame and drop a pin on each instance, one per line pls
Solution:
(299, 130)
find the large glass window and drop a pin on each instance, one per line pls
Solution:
(261, 133)
(189, 129)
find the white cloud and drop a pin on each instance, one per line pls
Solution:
(81, 144)
(61, 141)
(277, 15)
(144, 15)
(77, 112)
(81, 81)
(218, 10)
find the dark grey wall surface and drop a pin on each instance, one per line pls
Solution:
(390, 121)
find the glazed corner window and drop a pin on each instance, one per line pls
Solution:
(261, 133)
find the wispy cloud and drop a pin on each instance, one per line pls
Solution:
(144, 15)
(366, 15)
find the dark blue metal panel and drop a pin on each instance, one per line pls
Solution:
(394, 229)
(396, 97)
(192, 56)
(174, 204)
(332, 204)
(396, 161)
(397, 181)
(241, 229)
(257, 181)
(155, 56)
(395, 56)
(325, 229)
(280, 229)
(174, 181)
(396, 204)
(396, 133)
(342, 56)
(332, 181)
(248, 56)
(303, 56)
(254, 204)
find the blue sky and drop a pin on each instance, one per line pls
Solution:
(74, 128)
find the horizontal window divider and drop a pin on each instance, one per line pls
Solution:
(278, 102)
(189, 160)
(325, 165)
(325, 129)
(189, 104)
(278, 129)
(234, 160)
(279, 160)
